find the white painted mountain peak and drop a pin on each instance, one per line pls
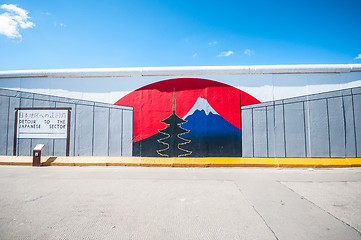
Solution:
(201, 104)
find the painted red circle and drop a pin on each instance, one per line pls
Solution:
(153, 103)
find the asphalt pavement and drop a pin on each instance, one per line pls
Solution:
(179, 203)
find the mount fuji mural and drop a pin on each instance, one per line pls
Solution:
(187, 117)
(210, 133)
(204, 122)
(206, 133)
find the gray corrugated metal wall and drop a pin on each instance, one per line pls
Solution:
(319, 125)
(96, 129)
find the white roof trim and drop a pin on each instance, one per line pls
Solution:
(179, 71)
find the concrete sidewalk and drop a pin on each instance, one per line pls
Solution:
(179, 203)
(186, 162)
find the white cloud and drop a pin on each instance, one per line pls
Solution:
(358, 57)
(195, 55)
(12, 19)
(212, 43)
(248, 52)
(225, 54)
(59, 24)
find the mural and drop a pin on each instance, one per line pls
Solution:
(187, 117)
(286, 111)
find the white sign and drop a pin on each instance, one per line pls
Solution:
(42, 123)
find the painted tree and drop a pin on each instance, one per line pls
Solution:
(173, 139)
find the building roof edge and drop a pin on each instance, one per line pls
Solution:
(180, 71)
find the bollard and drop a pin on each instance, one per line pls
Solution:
(37, 155)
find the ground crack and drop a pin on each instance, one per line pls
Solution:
(39, 197)
(322, 208)
(254, 208)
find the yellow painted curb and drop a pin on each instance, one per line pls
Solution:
(314, 162)
(187, 162)
(14, 160)
(355, 162)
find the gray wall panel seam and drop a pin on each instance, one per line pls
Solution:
(121, 133)
(7, 129)
(284, 129)
(304, 128)
(252, 133)
(74, 142)
(17, 140)
(108, 131)
(344, 125)
(93, 130)
(267, 135)
(328, 128)
(31, 140)
(54, 139)
(274, 130)
(354, 124)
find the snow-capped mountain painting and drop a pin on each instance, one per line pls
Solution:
(204, 122)
(209, 134)
(201, 105)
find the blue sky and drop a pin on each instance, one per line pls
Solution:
(88, 34)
